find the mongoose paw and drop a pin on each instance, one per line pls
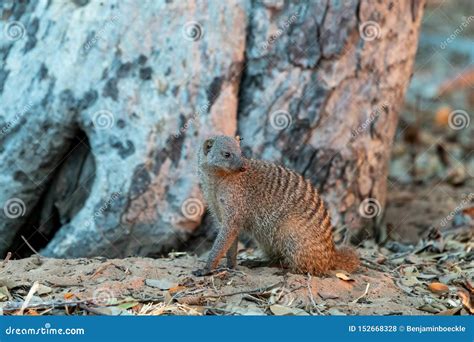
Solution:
(202, 272)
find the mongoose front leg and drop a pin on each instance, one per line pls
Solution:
(224, 241)
(232, 254)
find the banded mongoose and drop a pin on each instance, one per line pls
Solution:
(275, 205)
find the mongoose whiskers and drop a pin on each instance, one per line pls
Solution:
(275, 205)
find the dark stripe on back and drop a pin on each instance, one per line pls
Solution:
(277, 181)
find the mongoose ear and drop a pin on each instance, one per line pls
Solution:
(207, 146)
(239, 139)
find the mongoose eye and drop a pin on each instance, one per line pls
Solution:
(227, 155)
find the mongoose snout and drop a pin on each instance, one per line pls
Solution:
(277, 206)
(221, 158)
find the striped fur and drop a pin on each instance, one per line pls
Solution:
(277, 206)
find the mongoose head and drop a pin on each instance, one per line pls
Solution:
(222, 154)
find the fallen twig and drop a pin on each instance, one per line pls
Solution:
(363, 295)
(91, 310)
(373, 265)
(101, 268)
(311, 297)
(53, 284)
(7, 258)
(212, 308)
(229, 270)
(46, 311)
(32, 249)
(258, 290)
(28, 297)
(13, 306)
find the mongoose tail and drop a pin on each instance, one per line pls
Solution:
(346, 259)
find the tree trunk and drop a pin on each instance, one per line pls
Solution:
(104, 105)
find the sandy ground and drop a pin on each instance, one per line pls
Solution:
(433, 277)
(107, 283)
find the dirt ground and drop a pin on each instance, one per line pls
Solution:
(404, 275)
(433, 277)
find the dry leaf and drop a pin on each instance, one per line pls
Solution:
(192, 300)
(429, 308)
(406, 289)
(336, 312)
(470, 285)
(413, 259)
(411, 270)
(173, 290)
(466, 300)
(469, 211)
(409, 281)
(43, 289)
(327, 295)
(247, 310)
(448, 278)
(68, 295)
(162, 284)
(127, 305)
(281, 310)
(137, 307)
(4, 293)
(449, 312)
(32, 312)
(426, 276)
(344, 276)
(442, 116)
(438, 288)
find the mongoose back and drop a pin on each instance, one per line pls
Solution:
(277, 206)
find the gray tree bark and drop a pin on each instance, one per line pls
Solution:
(104, 104)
